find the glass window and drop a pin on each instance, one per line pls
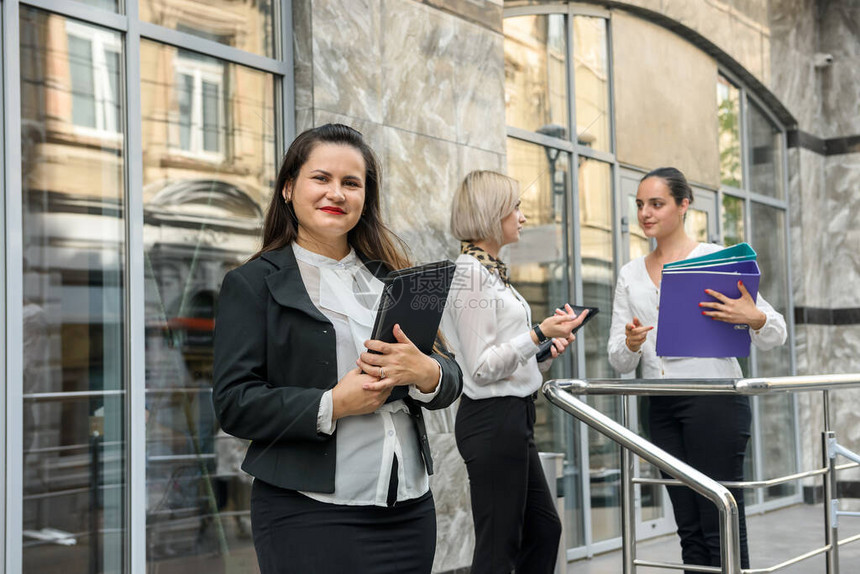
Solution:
(112, 5)
(73, 243)
(729, 122)
(765, 155)
(198, 110)
(733, 220)
(639, 243)
(777, 444)
(248, 26)
(591, 69)
(696, 224)
(536, 74)
(94, 64)
(768, 239)
(598, 283)
(208, 172)
(539, 271)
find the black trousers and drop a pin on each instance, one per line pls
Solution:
(711, 434)
(296, 534)
(516, 523)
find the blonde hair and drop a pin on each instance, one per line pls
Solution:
(480, 203)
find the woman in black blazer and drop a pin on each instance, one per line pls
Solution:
(339, 451)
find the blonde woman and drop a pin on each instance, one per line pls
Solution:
(488, 324)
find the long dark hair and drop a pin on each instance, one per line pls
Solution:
(370, 236)
(675, 181)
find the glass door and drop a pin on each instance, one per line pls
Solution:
(653, 509)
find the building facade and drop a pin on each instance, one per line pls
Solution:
(140, 143)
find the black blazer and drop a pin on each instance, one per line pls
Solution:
(274, 358)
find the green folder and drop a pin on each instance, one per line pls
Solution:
(739, 252)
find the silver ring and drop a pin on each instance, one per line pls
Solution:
(381, 373)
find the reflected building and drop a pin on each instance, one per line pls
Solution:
(141, 143)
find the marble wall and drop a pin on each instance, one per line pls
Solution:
(825, 205)
(423, 80)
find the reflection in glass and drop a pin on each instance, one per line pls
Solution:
(729, 122)
(768, 239)
(591, 69)
(539, 271)
(765, 161)
(536, 73)
(247, 26)
(696, 224)
(639, 244)
(598, 264)
(733, 220)
(72, 176)
(112, 5)
(208, 168)
(778, 439)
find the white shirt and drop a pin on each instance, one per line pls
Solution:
(348, 295)
(488, 326)
(637, 296)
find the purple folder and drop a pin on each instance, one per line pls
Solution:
(682, 330)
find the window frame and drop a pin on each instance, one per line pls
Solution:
(126, 23)
(570, 145)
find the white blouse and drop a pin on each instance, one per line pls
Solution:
(348, 295)
(488, 326)
(637, 296)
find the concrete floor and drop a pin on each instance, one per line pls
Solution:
(774, 537)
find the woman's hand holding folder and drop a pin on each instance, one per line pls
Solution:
(350, 397)
(741, 311)
(398, 364)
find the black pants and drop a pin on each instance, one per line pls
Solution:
(516, 524)
(296, 534)
(710, 433)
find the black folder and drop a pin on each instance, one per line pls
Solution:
(414, 298)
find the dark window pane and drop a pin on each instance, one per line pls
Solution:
(765, 155)
(184, 92)
(211, 119)
(83, 86)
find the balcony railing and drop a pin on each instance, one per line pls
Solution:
(562, 394)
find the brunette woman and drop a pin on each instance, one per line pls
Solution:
(708, 432)
(339, 452)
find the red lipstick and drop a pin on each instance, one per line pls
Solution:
(334, 210)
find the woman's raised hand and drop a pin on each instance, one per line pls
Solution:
(397, 364)
(636, 334)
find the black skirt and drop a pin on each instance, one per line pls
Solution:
(297, 534)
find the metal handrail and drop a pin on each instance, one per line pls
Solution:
(559, 392)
